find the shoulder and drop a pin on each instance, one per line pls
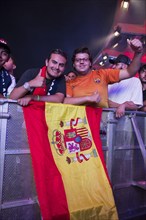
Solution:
(135, 81)
(106, 71)
(32, 71)
(27, 76)
(60, 79)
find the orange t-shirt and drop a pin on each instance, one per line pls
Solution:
(96, 80)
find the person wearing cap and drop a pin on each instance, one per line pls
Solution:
(46, 84)
(5, 79)
(90, 87)
(126, 94)
(142, 76)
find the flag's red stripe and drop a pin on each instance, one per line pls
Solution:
(48, 180)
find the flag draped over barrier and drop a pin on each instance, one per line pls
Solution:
(70, 176)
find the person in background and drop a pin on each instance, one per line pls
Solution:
(90, 87)
(126, 94)
(5, 79)
(46, 84)
(142, 76)
(10, 66)
(70, 76)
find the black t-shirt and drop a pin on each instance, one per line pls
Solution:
(144, 95)
(53, 86)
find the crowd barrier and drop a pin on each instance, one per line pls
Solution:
(124, 147)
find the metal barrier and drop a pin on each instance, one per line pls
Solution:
(18, 199)
(124, 146)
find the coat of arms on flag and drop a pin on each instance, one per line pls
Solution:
(74, 141)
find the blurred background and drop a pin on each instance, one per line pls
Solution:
(33, 28)
(129, 23)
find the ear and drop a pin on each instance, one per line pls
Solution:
(14, 66)
(46, 62)
(124, 66)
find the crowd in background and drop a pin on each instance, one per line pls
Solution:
(115, 87)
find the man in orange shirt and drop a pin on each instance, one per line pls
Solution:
(90, 86)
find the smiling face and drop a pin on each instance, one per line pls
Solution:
(10, 65)
(55, 66)
(4, 56)
(82, 63)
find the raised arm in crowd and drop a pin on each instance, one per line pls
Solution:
(90, 87)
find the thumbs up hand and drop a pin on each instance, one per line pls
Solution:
(38, 81)
(136, 45)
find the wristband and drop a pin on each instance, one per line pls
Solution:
(27, 87)
(38, 98)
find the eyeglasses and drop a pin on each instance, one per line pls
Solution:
(78, 60)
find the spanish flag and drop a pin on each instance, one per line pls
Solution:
(70, 175)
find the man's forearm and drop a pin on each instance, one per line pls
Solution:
(18, 93)
(135, 64)
(112, 104)
(75, 100)
(129, 105)
(56, 98)
(84, 100)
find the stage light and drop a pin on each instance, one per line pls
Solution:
(115, 45)
(101, 63)
(104, 57)
(125, 4)
(117, 31)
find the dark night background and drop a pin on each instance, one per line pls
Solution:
(34, 27)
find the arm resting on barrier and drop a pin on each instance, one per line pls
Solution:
(91, 99)
(56, 98)
(121, 108)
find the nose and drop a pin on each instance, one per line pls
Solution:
(82, 60)
(57, 66)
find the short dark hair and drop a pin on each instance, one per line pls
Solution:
(142, 68)
(58, 51)
(4, 45)
(82, 50)
(72, 72)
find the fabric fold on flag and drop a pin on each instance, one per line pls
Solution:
(69, 169)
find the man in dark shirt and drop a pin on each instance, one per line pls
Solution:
(46, 84)
(5, 79)
(142, 76)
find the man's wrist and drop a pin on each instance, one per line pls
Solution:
(27, 87)
(36, 98)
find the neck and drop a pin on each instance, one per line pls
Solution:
(84, 73)
(48, 76)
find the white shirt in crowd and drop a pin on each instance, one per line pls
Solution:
(126, 90)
